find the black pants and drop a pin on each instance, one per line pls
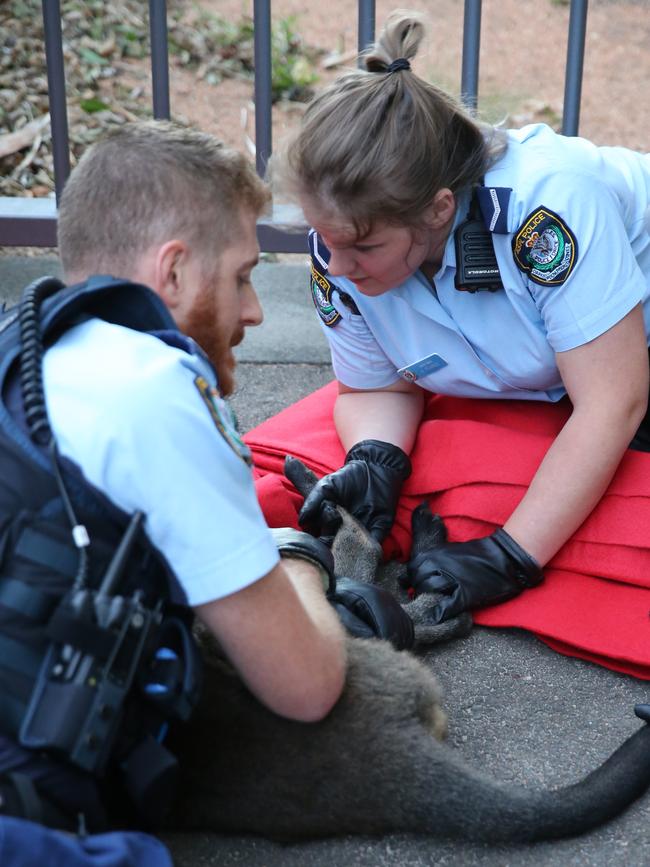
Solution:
(20, 798)
(46, 790)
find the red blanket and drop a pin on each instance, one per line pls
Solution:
(473, 461)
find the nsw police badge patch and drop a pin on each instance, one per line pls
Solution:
(321, 292)
(545, 248)
(224, 419)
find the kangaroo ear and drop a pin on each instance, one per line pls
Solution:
(428, 529)
(302, 478)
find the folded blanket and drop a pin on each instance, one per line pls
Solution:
(473, 460)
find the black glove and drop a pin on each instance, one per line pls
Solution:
(367, 485)
(294, 543)
(368, 611)
(473, 574)
(365, 611)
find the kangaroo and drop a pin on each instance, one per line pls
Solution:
(358, 555)
(376, 763)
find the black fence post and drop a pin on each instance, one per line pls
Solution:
(574, 64)
(159, 59)
(471, 49)
(56, 92)
(263, 84)
(366, 27)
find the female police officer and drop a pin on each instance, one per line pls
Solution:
(413, 203)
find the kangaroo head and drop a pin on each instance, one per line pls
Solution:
(357, 555)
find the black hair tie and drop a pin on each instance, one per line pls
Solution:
(396, 65)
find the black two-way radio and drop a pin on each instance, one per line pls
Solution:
(476, 263)
(98, 639)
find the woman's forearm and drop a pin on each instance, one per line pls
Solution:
(607, 382)
(568, 484)
(388, 415)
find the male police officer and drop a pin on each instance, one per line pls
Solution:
(114, 419)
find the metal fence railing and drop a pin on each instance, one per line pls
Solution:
(32, 221)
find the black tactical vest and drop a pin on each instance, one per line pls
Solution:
(39, 564)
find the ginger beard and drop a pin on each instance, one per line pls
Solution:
(202, 325)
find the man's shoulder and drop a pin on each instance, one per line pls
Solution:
(118, 348)
(119, 369)
(112, 391)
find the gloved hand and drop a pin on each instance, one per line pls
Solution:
(368, 611)
(367, 485)
(294, 543)
(473, 574)
(364, 610)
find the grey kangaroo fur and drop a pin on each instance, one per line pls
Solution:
(375, 764)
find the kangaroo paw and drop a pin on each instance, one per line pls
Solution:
(426, 630)
(428, 529)
(356, 554)
(302, 478)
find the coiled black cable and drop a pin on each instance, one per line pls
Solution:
(33, 397)
(31, 358)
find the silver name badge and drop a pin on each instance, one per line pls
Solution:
(423, 367)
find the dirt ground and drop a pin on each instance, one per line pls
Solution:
(522, 65)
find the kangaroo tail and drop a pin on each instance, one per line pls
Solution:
(479, 809)
(372, 767)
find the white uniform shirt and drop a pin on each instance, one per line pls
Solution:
(502, 344)
(125, 408)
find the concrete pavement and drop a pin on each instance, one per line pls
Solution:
(517, 710)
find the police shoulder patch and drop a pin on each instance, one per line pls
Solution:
(321, 293)
(224, 419)
(545, 248)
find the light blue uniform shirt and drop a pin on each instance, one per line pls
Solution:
(124, 406)
(502, 344)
